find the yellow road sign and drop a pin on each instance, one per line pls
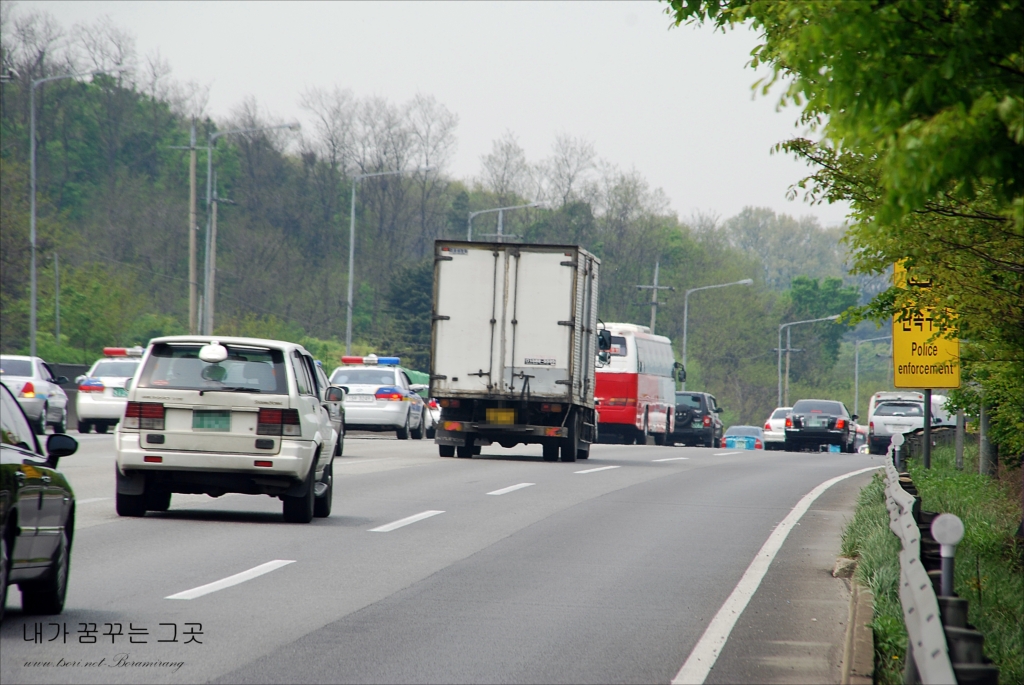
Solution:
(917, 360)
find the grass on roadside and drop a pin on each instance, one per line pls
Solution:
(989, 560)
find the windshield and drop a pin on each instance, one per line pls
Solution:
(899, 409)
(246, 369)
(618, 348)
(16, 367)
(818, 407)
(691, 401)
(115, 369)
(752, 431)
(362, 376)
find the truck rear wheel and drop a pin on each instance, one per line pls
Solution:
(446, 450)
(571, 442)
(550, 451)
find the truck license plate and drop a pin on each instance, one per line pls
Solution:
(211, 420)
(501, 416)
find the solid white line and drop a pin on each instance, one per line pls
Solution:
(672, 459)
(404, 522)
(602, 468)
(511, 488)
(254, 572)
(710, 645)
(722, 454)
(92, 499)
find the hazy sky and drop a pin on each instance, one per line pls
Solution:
(675, 104)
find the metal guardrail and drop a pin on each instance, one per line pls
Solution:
(942, 648)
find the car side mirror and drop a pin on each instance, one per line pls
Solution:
(59, 445)
(854, 417)
(61, 380)
(416, 387)
(335, 394)
(79, 379)
(680, 372)
(604, 357)
(719, 410)
(604, 339)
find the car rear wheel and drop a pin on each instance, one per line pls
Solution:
(322, 504)
(403, 432)
(101, 427)
(5, 561)
(61, 426)
(39, 425)
(84, 426)
(47, 596)
(417, 433)
(131, 505)
(299, 509)
(158, 500)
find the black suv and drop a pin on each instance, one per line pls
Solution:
(812, 424)
(696, 420)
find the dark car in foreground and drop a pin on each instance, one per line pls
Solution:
(696, 421)
(37, 512)
(814, 423)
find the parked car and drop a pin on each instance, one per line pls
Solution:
(37, 512)
(892, 418)
(38, 391)
(696, 420)
(813, 423)
(212, 415)
(381, 397)
(775, 429)
(744, 438)
(103, 390)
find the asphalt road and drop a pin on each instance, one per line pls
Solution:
(509, 569)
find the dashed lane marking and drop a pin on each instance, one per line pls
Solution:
(671, 459)
(405, 522)
(722, 454)
(511, 488)
(601, 468)
(92, 499)
(254, 572)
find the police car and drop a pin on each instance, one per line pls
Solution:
(103, 392)
(381, 397)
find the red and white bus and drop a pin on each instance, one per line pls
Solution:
(635, 391)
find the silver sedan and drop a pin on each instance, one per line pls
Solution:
(37, 389)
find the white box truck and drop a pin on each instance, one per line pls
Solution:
(514, 342)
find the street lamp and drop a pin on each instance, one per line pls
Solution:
(209, 264)
(500, 211)
(786, 326)
(352, 243)
(856, 369)
(32, 200)
(686, 309)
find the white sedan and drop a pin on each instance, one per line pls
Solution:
(103, 391)
(381, 398)
(37, 389)
(775, 429)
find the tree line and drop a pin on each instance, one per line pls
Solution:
(113, 196)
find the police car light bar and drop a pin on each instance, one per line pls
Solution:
(372, 360)
(122, 351)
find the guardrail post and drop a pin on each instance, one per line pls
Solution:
(897, 442)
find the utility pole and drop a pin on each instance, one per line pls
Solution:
(56, 297)
(654, 288)
(193, 284)
(212, 261)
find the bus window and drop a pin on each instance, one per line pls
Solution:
(618, 348)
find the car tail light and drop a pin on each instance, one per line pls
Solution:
(789, 422)
(144, 415)
(278, 422)
(840, 423)
(28, 390)
(871, 427)
(767, 426)
(432, 403)
(758, 445)
(91, 385)
(622, 402)
(707, 420)
(389, 394)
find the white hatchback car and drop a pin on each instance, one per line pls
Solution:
(212, 415)
(37, 389)
(103, 390)
(775, 429)
(381, 397)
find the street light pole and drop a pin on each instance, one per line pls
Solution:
(856, 369)
(33, 289)
(787, 325)
(352, 244)
(499, 210)
(686, 309)
(210, 253)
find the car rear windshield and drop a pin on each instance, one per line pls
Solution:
(780, 413)
(363, 377)
(16, 367)
(115, 369)
(744, 431)
(686, 400)
(246, 369)
(818, 407)
(899, 409)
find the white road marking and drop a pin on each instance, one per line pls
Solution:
(92, 499)
(404, 522)
(358, 461)
(511, 488)
(722, 454)
(602, 468)
(254, 572)
(672, 459)
(710, 645)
